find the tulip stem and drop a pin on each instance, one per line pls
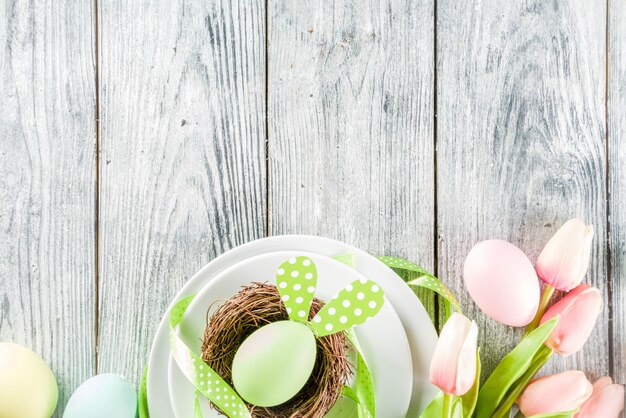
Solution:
(541, 358)
(447, 405)
(546, 297)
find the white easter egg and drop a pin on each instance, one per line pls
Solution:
(103, 396)
(273, 363)
(28, 388)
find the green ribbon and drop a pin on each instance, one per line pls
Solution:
(362, 389)
(425, 280)
(206, 381)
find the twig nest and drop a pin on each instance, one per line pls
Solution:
(253, 307)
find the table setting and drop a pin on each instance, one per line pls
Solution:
(305, 326)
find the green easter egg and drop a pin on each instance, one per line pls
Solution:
(28, 388)
(274, 363)
(344, 408)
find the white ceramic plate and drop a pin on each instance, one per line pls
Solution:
(420, 331)
(383, 339)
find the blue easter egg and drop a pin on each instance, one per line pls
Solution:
(103, 396)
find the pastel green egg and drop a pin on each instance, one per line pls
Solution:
(103, 396)
(274, 363)
(28, 388)
(343, 408)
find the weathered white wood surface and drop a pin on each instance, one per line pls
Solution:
(617, 183)
(351, 124)
(352, 89)
(182, 156)
(521, 143)
(47, 184)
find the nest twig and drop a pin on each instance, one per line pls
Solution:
(251, 308)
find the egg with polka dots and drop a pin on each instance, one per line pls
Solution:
(274, 363)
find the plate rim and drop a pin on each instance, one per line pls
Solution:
(421, 351)
(405, 346)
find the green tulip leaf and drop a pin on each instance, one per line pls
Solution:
(520, 385)
(435, 408)
(353, 305)
(296, 280)
(511, 368)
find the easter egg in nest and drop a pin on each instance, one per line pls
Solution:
(230, 326)
(273, 364)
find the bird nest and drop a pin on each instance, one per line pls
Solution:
(253, 307)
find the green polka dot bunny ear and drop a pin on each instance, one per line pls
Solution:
(296, 280)
(353, 305)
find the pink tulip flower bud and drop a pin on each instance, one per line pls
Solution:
(564, 260)
(606, 401)
(561, 392)
(578, 312)
(453, 366)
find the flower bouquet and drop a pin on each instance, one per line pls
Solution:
(503, 282)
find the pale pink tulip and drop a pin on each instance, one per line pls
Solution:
(606, 401)
(578, 312)
(557, 393)
(453, 366)
(564, 260)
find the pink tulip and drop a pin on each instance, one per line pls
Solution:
(606, 401)
(557, 393)
(453, 366)
(578, 312)
(564, 260)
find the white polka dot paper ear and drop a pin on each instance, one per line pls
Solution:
(285, 349)
(353, 305)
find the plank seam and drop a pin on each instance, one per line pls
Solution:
(435, 184)
(97, 187)
(608, 191)
(267, 127)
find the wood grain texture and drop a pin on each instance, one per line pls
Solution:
(521, 142)
(351, 124)
(182, 106)
(617, 181)
(47, 184)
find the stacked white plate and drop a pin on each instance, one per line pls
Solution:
(397, 343)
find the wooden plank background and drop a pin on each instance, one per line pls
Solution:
(48, 184)
(139, 140)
